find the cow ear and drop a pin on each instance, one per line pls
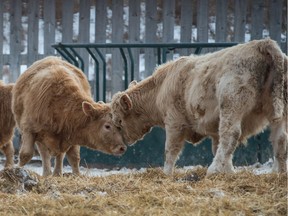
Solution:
(88, 108)
(132, 83)
(126, 102)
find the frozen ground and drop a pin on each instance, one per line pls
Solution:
(35, 166)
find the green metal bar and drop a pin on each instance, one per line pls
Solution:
(164, 55)
(104, 72)
(159, 55)
(97, 85)
(63, 54)
(125, 68)
(143, 45)
(198, 50)
(132, 63)
(79, 57)
(70, 55)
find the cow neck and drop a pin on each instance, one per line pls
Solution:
(75, 118)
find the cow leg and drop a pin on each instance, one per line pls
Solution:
(278, 137)
(46, 159)
(27, 148)
(215, 143)
(230, 132)
(235, 101)
(8, 150)
(73, 157)
(173, 146)
(58, 167)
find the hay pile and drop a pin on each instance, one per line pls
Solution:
(150, 193)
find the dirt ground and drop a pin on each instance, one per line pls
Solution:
(189, 192)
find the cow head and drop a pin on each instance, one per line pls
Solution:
(130, 118)
(100, 132)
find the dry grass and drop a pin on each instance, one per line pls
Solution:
(148, 193)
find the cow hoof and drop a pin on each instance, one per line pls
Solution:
(222, 168)
(168, 170)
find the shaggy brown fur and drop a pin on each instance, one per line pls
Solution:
(7, 123)
(53, 107)
(228, 95)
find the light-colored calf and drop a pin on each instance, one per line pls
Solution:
(228, 95)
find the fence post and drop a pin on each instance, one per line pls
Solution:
(15, 39)
(257, 19)
(134, 33)
(33, 31)
(49, 26)
(100, 37)
(202, 21)
(117, 37)
(84, 31)
(240, 20)
(151, 19)
(186, 24)
(1, 39)
(221, 21)
(275, 20)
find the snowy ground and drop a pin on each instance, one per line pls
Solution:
(36, 167)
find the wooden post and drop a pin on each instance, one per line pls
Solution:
(186, 24)
(1, 38)
(202, 21)
(168, 24)
(117, 37)
(240, 20)
(275, 20)
(15, 39)
(257, 19)
(221, 21)
(84, 32)
(134, 33)
(49, 26)
(33, 31)
(67, 21)
(150, 36)
(100, 37)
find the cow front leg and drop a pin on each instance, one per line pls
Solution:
(73, 157)
(46, 159)
(173, 146)
(278, 137)
(8, 150)
(27, 148)
(58, 167)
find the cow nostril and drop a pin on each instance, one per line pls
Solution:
(122, 149)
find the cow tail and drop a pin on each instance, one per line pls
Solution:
(278, 71)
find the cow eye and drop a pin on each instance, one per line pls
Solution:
(120, 122)
(107, 127)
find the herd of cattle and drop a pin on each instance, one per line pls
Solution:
(228, 95)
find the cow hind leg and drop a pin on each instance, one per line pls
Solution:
(215, 143)
(278, 137)
(58, 167)
(234, 102)
(229, 135)
(8, 151)
(46, 159)
(27, 148)
(73, 157)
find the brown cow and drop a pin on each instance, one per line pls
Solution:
(228, 96)
(7, 123)
(53, 107)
